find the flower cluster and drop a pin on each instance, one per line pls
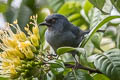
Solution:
(16, 47)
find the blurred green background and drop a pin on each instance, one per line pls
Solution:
(21, 10)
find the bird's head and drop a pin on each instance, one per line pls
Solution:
(56, 22)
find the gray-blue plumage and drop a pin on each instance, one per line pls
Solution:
(61, 32)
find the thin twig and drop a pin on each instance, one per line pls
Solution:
(79, 66)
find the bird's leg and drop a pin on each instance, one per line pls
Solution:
(76, 61)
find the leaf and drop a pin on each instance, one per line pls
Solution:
(100, 77)
(63, 50)
(77, 75)
(23, 16)
(116, 4)
(11, 14)
(98, 3)
(87, 6)
(56, 4)
(95, 18)
(71, 9)
(96, 39)
(118, 37)
(57, 64)
(99, 25)
(104, 6)
(109, 63)
(111, 31)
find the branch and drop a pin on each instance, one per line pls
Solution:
(79, 66)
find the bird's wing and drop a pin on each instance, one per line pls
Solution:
(76, 31)
(79, 34)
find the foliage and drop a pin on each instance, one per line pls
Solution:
(24, 53)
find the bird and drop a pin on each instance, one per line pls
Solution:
(62, 33)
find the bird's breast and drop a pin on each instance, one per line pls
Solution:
(59, 39)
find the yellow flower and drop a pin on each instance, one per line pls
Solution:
(15, 22)
(25, 48)
(10, 42)
(13, 72)
(35, 31)
(5, 65)
(20, 36)
(17, 47)
(12, 53)
(34, 40)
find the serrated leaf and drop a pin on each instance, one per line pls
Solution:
(109, 63)
(77, 75)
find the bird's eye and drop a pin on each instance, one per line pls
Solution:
(53, 20)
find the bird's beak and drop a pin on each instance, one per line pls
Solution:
(44, 24)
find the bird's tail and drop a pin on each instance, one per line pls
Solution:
(86, 32)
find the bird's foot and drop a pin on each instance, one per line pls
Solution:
(76, 65)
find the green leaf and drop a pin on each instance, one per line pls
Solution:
(23, 16)
(63, 50)
(95, 18)
(96, 39)
(3, 7)
(109, 63)
(118, 37)
(57, 64)
(98, 3)
(77, 75)
(97, 27)
(100, 77)
(116, 4)
(104, 6)
(56, 4)
(71, 9)
(11, 14)
(87, 6)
